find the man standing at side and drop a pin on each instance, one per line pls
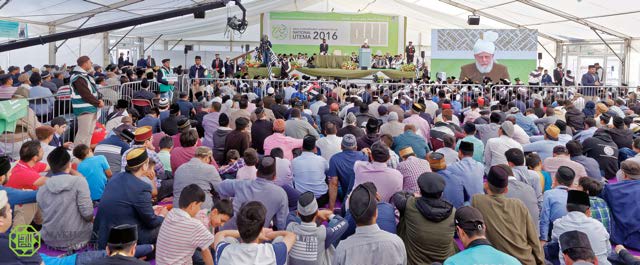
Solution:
(84, 99)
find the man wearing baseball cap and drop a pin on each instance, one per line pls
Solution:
(370, 244)
(507, 221)
(477, 249)
(578, 219)
(341, 169)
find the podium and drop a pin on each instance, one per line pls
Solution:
(365, 58)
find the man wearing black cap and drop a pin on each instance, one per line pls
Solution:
(54, 197)
(468, 170)
(371, 135)
(578, 219)
(369, 245)
(426, 222)
(576, 249)
(509, 225)
(121, 246)
(114, 146)
(170, 124)
(261, 189)
(478, 250)
(470, 136)
(554, 204)
(603, 149)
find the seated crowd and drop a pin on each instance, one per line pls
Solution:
(297, 177)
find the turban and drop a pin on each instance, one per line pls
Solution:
(486, 43)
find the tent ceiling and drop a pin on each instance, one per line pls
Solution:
(423, 15)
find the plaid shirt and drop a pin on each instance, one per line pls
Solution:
(159, 167)
(233, 168)
(411, 169)
(600, 212)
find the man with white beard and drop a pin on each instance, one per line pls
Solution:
(485, 64)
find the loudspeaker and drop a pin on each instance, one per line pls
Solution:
(422, 55)
(539, 56)
(198, 14)
(473, 20)
(246, 48)
(188, 48)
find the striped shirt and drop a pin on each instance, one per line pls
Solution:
(179, 236)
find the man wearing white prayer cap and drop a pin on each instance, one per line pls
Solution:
(485, 64)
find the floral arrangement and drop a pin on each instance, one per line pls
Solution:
(295, 76)
(408, 68)
(295, 65)
(253, 63)
(349, 65)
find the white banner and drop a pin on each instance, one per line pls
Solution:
(341, 33)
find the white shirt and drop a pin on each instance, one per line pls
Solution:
(520, 135)
(316, 106)
(329, 146)
(450, 155)
(597, 234)
(495, 148)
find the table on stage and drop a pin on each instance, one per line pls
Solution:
(331, 61)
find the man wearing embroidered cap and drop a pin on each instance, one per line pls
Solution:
(508, 223)
(144, 138)
(369, 244)
(127, 200)
(485, 64)
(411, 168)
(578, 219)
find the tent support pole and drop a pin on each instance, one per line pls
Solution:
(545, 49)
(180, 40)
(122, 38)
(153, 42)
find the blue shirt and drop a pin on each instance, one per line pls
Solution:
(526, 123)
(454, 191)
(299, 95)
(409, 138)
(93, 169)
(481, 254)
(554, 206)
(308, 171)
(544, 148)
(622, 198)
(17, 196)
(478, 147)
(471, 173)
(590, 165)
(185, 107)
(341, 166)
(583, 135)
(150, 121)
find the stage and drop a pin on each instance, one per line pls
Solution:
(331, 72)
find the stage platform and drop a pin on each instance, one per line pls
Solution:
(331, 72)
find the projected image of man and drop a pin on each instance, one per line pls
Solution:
(485, 64)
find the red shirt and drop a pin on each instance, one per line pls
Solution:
(23, 176)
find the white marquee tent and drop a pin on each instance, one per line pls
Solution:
(567, 29)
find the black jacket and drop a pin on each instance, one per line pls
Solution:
(603, 149)
(575, 119)
(622, 137)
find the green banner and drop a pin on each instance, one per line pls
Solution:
(303, 32)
